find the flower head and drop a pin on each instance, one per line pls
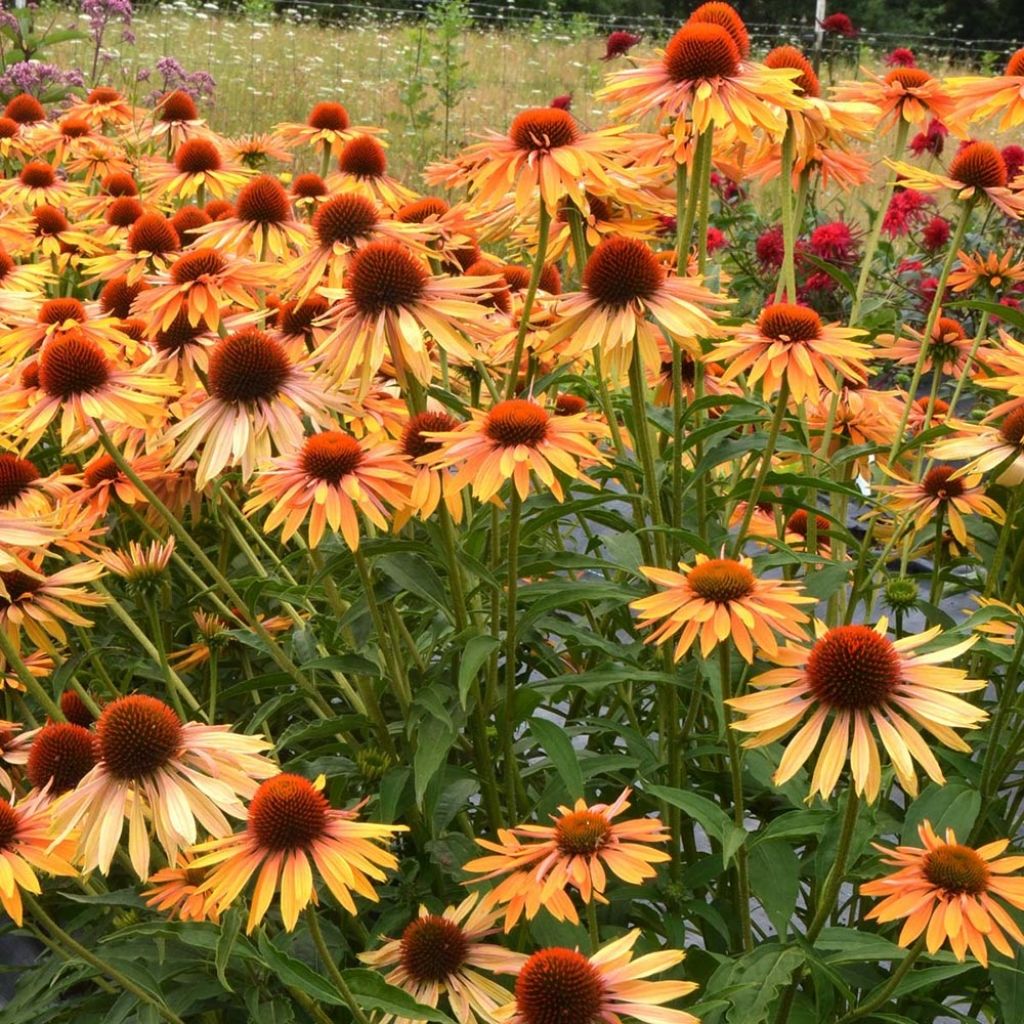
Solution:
(619, 43)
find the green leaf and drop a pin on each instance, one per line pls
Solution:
(556, 744)
(414, 574)
(477, 650)
(954, 806)
(298, 975)
(372, 992)
(230, 926)
(839, 276)
(1008, 981)
(751, 983)
(713, 819)
(433, 741)
(793, 825)
(775, 876)
(852, 946)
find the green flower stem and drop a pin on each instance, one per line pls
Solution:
(156, 630)
(781, 401)
(933, 316)
(738, 813)
(882, 996)
(964, 376)
(225, 502)
(543, 230)
(787, 272)
(595, 934)
(29, 681)
(642, 438)
(337, 979)
(71, 948)
(801, 198)
(277, 654)
(1008, 693)
(871, 248)
(827, 898)
(681, 208)
(935, 591)
(511, 651)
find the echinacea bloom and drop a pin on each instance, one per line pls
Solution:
(215, 635)
(256, 401)
(545, 153)
(138, 565)
(60, 756)
(564, 985)
(790, 343)
(538, 864)
(624, 283)
(151, 246)
(176, 119)
(701, 76)
(510, 441)
(39, 602)
(289, 824)
(23, 490)
(362, 167)
(993, 272)
(331, 480)
(37, 184)
(178, 891)
(910, 94)
(326, 131)
(980, 98)
(987, 446)
(390, 304)
(447, 955)
(27, 846)
(429, 484)
(158, 772)
(947, 351)
(978, 170)
(717, 599)
(199, 168)
(859, 678)
(39, 664)
(950, 893)
(58, 318)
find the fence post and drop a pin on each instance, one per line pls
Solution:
(819, 32)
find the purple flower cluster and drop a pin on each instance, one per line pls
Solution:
(102, 12)
(35, 77)
(198, 84)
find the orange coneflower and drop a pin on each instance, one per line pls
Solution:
(257, 148)
(545, 153)
(624, 283)
(71, 138)
(326, 130)
(362, 166)
(25, 491)
(102, 105)
(26, 846)
(215, 635)
(444, 955)
(139, 566)
(977, 170)
(947, 351)
(37, 184)
(331, 479)
(702, 77)
(14, 140)
(178, 891)
(996, 273)
(61, 754)
(390, 303)
(199, 168)
(719, 598)
(289, 824)
(510, 441)
(942, 492)
(176, 119)
(948, 892)
(429, 484)
(203, 284)
(59, 318)
(790, 343)
(151, 245)
(298, 324)
(256, 401)
(910, 94)
(25, 279)
(863, 415)
(860, 678)
(157, 771)
(79, 383)
(987, 446)
(537, 864)
(563, 984)
(980, 98)
(102, 480)
(38, 603)
(39, 664)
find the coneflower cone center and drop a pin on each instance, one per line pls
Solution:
(543, 128)
(414, 443)
(16, 475)
(559, 986)
(193, 265)
(853, 668)
(580, 833)
(344, 219)
(18, 585)
(569, 405)
(153, 233)
(331, 456)
(102, 469)
(724, 15)
(363, 157)
(957, 870)
(123, 212)
(120, 185)
(57, 311)
(61, 754)
(72, 365)
(516, 422)
(419, 210)
(721, 580)
(297, 317)
(328, 116)
(177, 106)
(785, 321)
(25, 109)
(197, 156)
(247, 367)
(384, 276)
(37, 175)
(287, 813)
(263, 201)
(137, 735)
(909, 78)
(940, 483)
(1015, 65)
(178, 335)
(979, 165)
(8, 825)
(1012, 428)
(49, 220)
(74, 709)
(701, 51)
(433, 949)
(807, 83)
(621, 271)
